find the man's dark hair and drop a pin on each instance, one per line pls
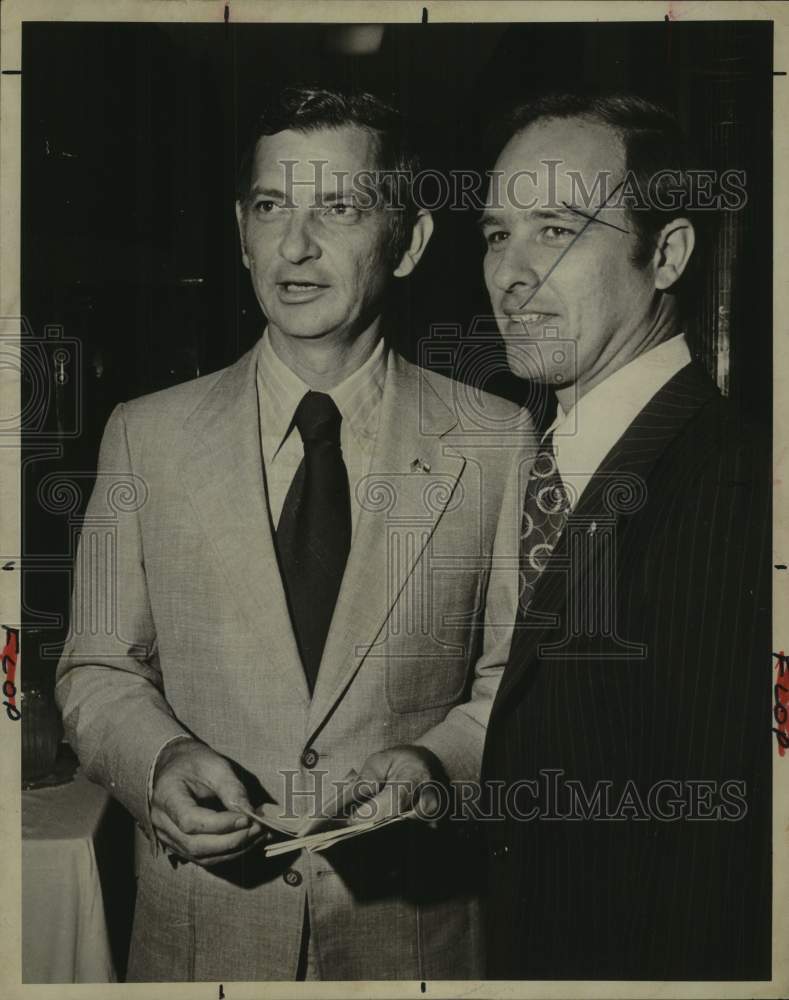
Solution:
(309, 109)
(653, 142)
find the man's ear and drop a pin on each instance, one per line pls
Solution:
(674, 246)
(240, 221)
(422, 231)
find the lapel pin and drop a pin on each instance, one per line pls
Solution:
(419, 466)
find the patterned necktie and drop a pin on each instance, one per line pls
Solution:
(546, 508)
(314, 529)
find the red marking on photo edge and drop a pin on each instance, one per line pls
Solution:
(781, 705)
(10, 654)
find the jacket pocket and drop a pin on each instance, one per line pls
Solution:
(429, 664)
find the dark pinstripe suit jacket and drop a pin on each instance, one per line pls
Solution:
(645, 658)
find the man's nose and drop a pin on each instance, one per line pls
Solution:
(298, 242)
(514, 269)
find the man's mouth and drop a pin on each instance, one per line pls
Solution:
(299, 291)
(530, 318)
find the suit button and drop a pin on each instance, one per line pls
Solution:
(310, 757)
(292, 877)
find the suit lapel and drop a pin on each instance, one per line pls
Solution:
(618, 490)
(223, 474)
(413, 421)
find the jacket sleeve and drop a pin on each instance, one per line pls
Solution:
(459, 739)
(109, 684)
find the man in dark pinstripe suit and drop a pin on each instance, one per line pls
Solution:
(629, 744)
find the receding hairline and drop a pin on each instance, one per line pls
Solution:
(581, 118)
(308, 128)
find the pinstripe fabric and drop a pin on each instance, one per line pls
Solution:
(680, 691)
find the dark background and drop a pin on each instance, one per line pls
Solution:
(131, 138)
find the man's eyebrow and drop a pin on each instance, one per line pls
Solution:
(552, 213)
(262, 192)
(488, 219)
(334, 196)
(546, 214)
(594, 218)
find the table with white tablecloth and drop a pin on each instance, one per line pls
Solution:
(64, 930)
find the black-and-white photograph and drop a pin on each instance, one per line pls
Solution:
(393, 578)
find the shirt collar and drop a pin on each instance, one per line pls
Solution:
(358, 397)
(584, 435)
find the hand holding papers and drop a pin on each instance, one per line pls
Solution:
(328, 838)
(317, 833)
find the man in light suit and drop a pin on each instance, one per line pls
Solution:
(630, 736)
(296, 590)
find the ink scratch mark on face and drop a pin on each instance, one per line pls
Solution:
(593, 218)
(589, 220)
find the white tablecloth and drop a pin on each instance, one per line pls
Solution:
(64, 932)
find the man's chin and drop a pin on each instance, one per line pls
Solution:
(525, 361)
(545, 361)
(301, 327)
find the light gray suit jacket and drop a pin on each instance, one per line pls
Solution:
(179, 624)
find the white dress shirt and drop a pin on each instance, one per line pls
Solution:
(358, 398)
(583, 436)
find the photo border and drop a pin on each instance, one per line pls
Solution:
(12, 14)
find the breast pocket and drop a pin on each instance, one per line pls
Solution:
(432, 641)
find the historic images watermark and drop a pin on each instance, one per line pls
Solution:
(463, 190)
(548, 796)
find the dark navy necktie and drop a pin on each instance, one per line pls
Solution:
(314, 530)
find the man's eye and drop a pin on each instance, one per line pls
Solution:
(343, 209)
(265, 206)
(495, 236)
(558, 233)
